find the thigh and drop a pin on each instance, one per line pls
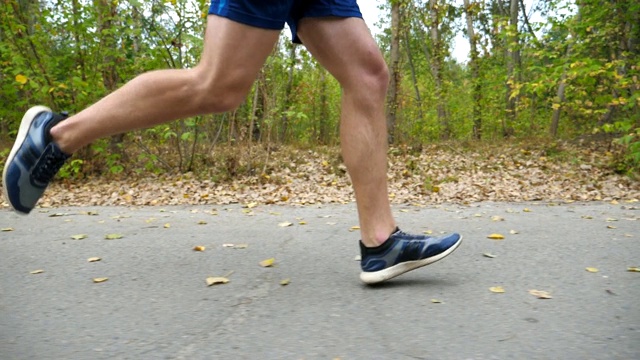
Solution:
(344, 46)
(267, 14)
(320, 8)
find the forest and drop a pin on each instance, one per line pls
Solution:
(537, 72)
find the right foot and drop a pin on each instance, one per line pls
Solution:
(34, 159)
(404, 252)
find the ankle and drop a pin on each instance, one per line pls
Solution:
(58, 136)
(377, 238)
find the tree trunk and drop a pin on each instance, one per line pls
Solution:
(392, 98)
(513, 59)
(475, 70)
(437, 61)
(287, 93)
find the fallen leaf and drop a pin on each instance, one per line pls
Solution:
(526, 210)
(113, 236)
(611, 219)
(496, 236)
(285, 224)
(79, 236)
(228, 245)
(167, 225)
(354, 228)
(94, 259)
(497, 218)
(497, 289)
(540, 294)
(100, 280)
(592, 269)
(488, 255)
(514, 232)
(358, 258)
(285, 282)
(611, 227)
(213, 280)
(198, 248)
(58, 214)
(428, 232)
(588, 217)
(267, 262)
(36, 272)
(7, 229)
(633, 269)
(302, 223)
(202, 222)
(436, 301)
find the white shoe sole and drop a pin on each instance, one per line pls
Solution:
(25, 124)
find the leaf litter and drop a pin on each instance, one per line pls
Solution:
(296, 176)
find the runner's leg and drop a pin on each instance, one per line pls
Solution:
(232, 57)
(346, 48)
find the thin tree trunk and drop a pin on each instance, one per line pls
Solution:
(436, 66)
(513, 59)
(392, 98)
(475, 70)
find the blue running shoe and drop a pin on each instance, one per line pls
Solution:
(404, 252)
(33, 161)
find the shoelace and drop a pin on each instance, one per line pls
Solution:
(53, 161)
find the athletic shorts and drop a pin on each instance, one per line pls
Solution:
(273, 14)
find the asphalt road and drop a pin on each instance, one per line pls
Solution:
(156, 305)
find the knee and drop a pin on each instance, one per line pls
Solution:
(371, 77)
(217, 94)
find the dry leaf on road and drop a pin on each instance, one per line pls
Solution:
(100, 280)
(497, 289)
(267, 262)
(94, 259)
(540, 294)
(214, 280)
(496, 237)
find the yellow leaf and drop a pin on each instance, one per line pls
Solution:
(93, 259)
(167, 225)
(592, 269)
(36, 272)
(7, 229)
(496, 236)
(285, 282)
(526, 210)
(633, 269)
(198, 248)
(302, 222)
(21, 79)
(202, 222)
(113, 236)
(540, 294)
(497, 218)
(267, 262)
(555, 106)
(496, 289)
(611, 227)
(491, 256)
(436, 301)
(285, 224)
(100, 280)
(79, 236)
(354, 228)
(213, 280)
(513, 232)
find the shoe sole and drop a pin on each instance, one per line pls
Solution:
(399, 269)
(25, 124)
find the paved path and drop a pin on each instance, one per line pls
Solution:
(156, 305)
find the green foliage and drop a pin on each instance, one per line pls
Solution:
(69, 54)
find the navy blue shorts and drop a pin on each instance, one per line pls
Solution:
(272, 14)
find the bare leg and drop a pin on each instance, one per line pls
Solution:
(345, 47)
(233, 54)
